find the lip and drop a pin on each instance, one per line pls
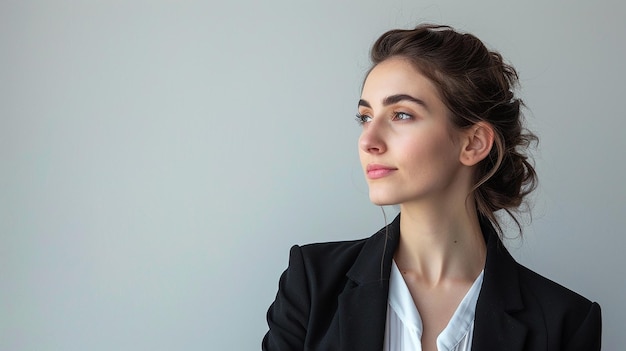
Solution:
(376, 171)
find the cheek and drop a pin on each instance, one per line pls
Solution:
(429, 152)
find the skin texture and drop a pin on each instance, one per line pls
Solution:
(414, 140)
(413, 156)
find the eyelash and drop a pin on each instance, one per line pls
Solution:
(361, 119)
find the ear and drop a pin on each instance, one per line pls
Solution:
(477, 143)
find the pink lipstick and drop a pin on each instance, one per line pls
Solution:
(375, 171)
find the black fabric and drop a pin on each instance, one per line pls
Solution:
(333, 296)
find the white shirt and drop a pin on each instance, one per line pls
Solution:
(404, 324)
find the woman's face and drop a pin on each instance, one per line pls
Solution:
(408, 148)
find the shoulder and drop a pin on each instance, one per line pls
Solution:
(328, 266)
(553, 298)
(331, 260)
(522, 288)
(572, 316)
(308, 290)
(554, 317)
(336, 251)
(548, 292)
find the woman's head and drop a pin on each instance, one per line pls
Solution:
(477, 88)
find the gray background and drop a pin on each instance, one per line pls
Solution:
(159, 158)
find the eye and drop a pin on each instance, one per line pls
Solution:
(363, 118)
(402, 116)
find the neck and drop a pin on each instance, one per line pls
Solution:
(439, 243)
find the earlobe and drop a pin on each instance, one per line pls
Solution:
(478, 143)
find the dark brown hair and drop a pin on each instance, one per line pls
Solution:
(477, 86)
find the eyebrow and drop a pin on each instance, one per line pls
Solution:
(392, 99)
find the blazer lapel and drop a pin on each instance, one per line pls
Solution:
(362, 306)
(495, 328)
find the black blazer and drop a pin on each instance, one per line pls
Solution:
(333, 296)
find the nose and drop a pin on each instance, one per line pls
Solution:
(371, 140)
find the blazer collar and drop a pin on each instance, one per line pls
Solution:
(373, 264)
(362, 306)
(495, 327)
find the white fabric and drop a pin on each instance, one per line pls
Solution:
(404, 324)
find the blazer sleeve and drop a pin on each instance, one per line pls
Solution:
(288, 315)
(588, 336)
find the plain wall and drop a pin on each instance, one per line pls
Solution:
(159, 158)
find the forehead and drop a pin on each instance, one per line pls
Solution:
(398, 75)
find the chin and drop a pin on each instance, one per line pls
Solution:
(382, 200)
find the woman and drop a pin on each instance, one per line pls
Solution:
(442, 138)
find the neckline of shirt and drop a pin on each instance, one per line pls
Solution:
(458, 326)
